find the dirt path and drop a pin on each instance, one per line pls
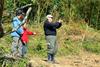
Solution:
(83, 60)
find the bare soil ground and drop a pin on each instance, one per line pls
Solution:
(82, 60)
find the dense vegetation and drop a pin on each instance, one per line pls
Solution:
(68, 10)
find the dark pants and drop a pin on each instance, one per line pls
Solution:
(51, 46)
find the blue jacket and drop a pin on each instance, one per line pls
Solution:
(15, 23)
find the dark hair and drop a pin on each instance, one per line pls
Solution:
(20, 12)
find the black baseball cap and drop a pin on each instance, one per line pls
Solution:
(20, 12)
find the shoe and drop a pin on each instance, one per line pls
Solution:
(54, 62)
(48, 61)
(49, 57)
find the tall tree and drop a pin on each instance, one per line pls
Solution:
(1, 12)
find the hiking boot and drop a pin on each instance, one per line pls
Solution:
(49, 57)
(55, 62)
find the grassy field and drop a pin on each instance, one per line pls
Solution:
(73, 39)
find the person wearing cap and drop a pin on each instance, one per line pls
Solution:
(17, 46)
(50, 34)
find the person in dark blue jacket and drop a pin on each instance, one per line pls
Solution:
(50, 33)
(16, 35)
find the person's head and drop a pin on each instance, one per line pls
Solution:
(49, 18)
(20, 14)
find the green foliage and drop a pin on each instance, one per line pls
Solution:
(38, 46)
(9, 62)
(21, 63)
(70, 47)
(65, 9)
(92, 46)
(9, 5)
(89, 10)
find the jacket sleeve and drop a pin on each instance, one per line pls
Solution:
(58, 25)
(29, 32)
(54, 25)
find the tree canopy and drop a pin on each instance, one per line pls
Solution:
(88, 10)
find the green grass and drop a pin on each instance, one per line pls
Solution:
(92, 46)
(66, 44)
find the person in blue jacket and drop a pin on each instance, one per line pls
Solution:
(50, 34)
(16, 35)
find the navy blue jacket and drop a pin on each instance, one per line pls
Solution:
(50, 28)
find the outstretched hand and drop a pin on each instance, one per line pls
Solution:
(34, 33)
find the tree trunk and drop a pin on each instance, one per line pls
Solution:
(1, 12)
